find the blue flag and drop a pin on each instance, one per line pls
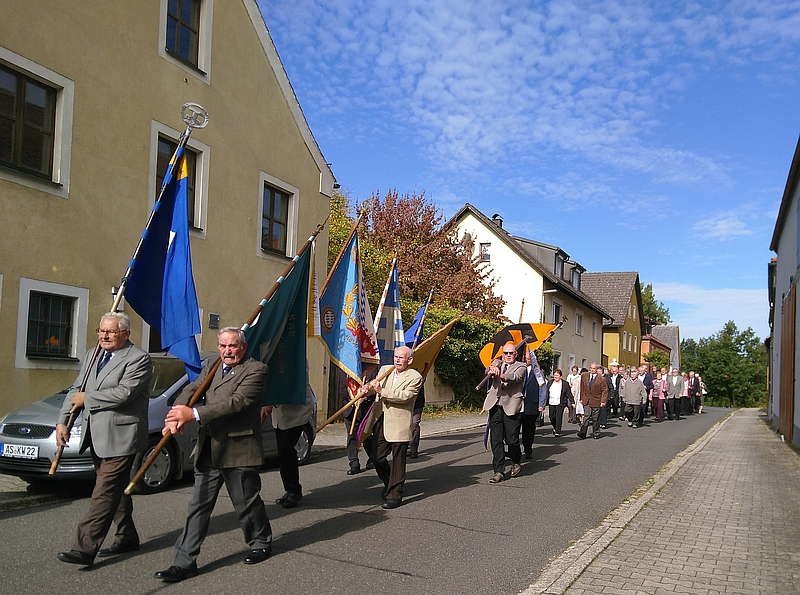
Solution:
(345, 318)
(161, 287)
(389, 320)
(413, 335)
(278, 336)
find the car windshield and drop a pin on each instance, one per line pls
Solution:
(166, 371)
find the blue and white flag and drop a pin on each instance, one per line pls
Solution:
(161, 286)
(413, 335)
(389, 319)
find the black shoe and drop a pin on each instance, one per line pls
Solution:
(370, 465)
(76, 557)
(596, 436)
(291, 499)
(528, 455)
(413, 455)
(581, 435)
(390, 504)
(282, 499)
(175, 574)
(354, 470)
(119, 548)
(256, 556)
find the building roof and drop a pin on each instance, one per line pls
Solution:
(667, 334)
(614, 291)
(788, 193)
(517, 245)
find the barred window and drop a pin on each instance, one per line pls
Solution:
(50, 325)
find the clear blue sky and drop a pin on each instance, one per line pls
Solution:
(654, 137)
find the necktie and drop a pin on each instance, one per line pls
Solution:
(225, 370)
(103, 361)
(505, 367)
(591, 381)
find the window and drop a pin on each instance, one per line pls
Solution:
(166, 148)
(583, 363)
(629, 310)
(274, 220)
(594, 329)
(557, 360)
(183, 27)
(163, 142)
(624, 340)
(578, 322)
(27, 123)
(484, 252)
(185, 35)
(576, 278)
(635, 341)
(35, 125)
(556, 312)
(630, 342)
(634, 312)
(559, 268)
(51, 325)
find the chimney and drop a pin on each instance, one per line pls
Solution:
(498, 220)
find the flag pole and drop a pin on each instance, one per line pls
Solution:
(195, 116)
(207, 381)
(418, 334)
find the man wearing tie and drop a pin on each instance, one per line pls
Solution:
(504, 404)
(594, 394)
(534, 399)
(229, 450)
(114, 403)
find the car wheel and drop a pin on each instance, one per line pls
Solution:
(303, 446)
(161, 473)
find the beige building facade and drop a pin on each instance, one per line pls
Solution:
(90, 98)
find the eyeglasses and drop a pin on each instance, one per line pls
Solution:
(101, 331)
(509, 353)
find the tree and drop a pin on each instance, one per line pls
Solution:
(431, 256)
(657, 358)
(656, 312)
(733, 365)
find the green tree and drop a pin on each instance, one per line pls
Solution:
(733, 365)
(656, 312)
(657, 358)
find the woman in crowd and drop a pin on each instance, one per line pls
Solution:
(686, 402)
(558, 392)
(575, 385)
(573, 374)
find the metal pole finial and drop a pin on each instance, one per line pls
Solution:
(194, 114)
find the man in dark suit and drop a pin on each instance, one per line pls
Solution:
(504, 404)
(534, 398)
(594, 394)
(229, 450)
(114, 405)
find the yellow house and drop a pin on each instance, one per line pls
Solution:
(621, 295)
(90, 98)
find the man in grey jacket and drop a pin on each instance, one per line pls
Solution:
(634, 394)
(114, 401)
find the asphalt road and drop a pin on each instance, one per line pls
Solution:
(455, 533)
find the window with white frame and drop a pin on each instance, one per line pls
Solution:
(51, 325)
(185, 35)
(635, 343)
(634, 312)
(594, 329)
(556, 361)
(578, 322)
(163, 142)
(571, 360)
(559, 266)
(484, 252)
(624, 340)
(557, 307)
(35, 124)
(277, 210)
(583, 362)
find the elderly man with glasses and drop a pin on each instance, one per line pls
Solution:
(114, 402)
(504, 404)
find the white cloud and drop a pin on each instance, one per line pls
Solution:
(702, 312)
(722, 228)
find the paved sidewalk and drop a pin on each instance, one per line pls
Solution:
(722, 517)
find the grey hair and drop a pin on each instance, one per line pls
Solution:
(123, 322)
(236, 330)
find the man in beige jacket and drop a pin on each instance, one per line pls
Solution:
(394, 404)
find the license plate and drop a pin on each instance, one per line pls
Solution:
(19, 451)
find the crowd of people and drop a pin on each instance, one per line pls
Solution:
(518, 395)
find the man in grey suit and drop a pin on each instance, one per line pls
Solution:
(504, 404)
(229, 450)
(114, 405)
(674, 391)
